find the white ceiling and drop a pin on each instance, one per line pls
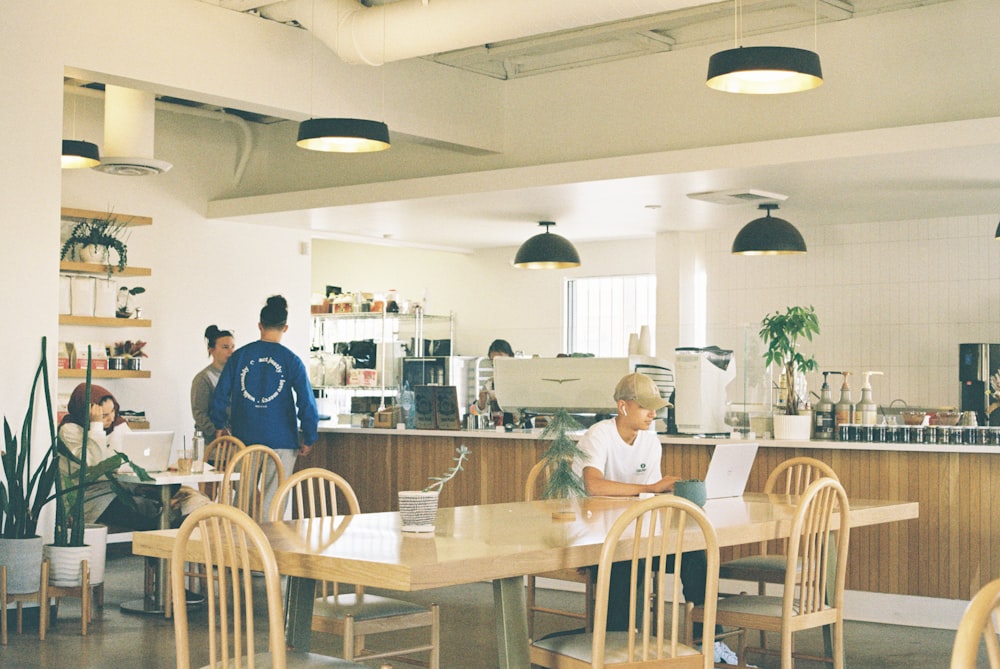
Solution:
(888, 173)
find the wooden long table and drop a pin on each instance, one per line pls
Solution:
(496, 542)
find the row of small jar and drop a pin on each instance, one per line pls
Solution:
(920, 434)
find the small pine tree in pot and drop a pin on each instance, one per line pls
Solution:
(563, 481)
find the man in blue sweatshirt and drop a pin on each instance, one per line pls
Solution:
(266, 388)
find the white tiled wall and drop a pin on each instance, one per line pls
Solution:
(896, 296)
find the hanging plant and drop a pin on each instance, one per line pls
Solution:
(108, 233)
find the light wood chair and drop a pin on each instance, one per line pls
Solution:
(41, 596)
(219, 452)
(353, 615)
(791, 477)
(811, 596)
(246, 492)
(232, 545)
(646, 644)
(582, 576)
(980, 623)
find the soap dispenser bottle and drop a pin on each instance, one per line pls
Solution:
(823, 413)
(867, 409)
(844, 411)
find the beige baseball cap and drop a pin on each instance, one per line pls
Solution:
(639, 387)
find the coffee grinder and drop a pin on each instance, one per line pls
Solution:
(977, 363)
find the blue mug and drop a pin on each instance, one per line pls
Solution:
(692, 490)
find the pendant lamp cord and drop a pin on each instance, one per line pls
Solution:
(383, 61)
(736, 24)
(312, 58)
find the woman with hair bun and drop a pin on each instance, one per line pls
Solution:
(221, 345)
(265, 388)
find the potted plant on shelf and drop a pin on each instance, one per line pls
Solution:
(93, 239)
(782, 333)
(418, 508)
(124, 307)
(24, 491)
(76, 477)
(130, 354)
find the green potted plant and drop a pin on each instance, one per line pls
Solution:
(76, 477)
(782, 333)
(24, 491)
(124, 307)
(93, 239)
(418, 508)
(563, 482)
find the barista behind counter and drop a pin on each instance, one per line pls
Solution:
(487, 402)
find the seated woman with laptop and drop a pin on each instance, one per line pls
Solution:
(106, 435)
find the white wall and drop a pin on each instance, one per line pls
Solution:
(896, 297)
(490, 298)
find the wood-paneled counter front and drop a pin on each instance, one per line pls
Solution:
(950, 551)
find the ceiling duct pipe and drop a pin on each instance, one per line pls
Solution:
(365, 35)
(129, 130)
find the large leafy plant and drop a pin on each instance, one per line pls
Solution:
(24, 491)
(108, 232)
(782, 332)
(78, 476)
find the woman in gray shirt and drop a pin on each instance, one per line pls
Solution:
(221, 345)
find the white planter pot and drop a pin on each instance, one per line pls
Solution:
(793, 428)
(417, 510)
(95, 254)
(96, 536)
(65, 564)
(23, 558)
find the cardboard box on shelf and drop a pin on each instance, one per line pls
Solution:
(388, 417)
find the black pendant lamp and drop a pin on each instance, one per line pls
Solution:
(767, 236)
(764, 70)
(547, 251)
(77, 154)
(343, 135)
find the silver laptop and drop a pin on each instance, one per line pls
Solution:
(729, 470)
(149, 449)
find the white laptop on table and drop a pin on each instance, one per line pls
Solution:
(729, 470)
(149, 449)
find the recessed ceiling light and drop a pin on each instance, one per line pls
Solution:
(738, 196)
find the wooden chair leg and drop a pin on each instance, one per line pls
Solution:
(349, 638)
(529, 601)
(43, 601)
(85, 607)
(435, 659)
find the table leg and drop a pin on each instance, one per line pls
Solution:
(512, 622)
(300, 595)
(154, 589)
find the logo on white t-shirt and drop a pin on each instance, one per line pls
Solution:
(641, 469)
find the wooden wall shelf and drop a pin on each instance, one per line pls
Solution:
(67, 319)
(97, 268)
(104, 374)
(131, 220)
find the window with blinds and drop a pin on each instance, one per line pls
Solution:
(601, 313)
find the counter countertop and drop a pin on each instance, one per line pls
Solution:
(329, 427)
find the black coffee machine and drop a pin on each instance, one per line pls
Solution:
(977, 363)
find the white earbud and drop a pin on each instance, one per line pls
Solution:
(624, 410)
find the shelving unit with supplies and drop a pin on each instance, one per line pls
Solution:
(70, 323)
(393, 336)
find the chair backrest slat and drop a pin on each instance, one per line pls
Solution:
(246, 491)
(231, 544)
(657, 531)
(812, 542)
(980, 625)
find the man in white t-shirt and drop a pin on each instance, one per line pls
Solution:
(623, 459)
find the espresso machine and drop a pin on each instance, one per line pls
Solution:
(978, 370)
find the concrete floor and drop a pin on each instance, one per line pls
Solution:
(124, 641)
